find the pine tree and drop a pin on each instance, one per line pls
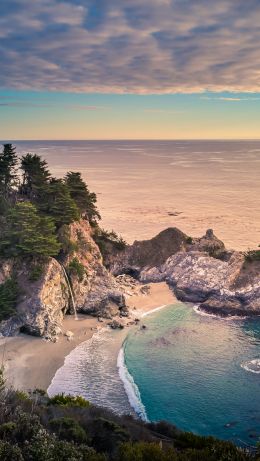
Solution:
(85, 200)
(36, 177)
(8, 163)
(28, 233)
(60, 206)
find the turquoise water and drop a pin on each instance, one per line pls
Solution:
(197, 372)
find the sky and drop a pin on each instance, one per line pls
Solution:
(129, 69)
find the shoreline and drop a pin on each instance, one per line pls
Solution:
(31, 362)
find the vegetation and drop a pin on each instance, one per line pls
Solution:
(8, 298)
(34, 206)
(63, 428)
(36, 210)
(253, 255)
(108, 242)
(76, 268)
(69, 401)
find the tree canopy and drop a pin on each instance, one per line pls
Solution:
(34, 206)
(8, 166)
(28, 233)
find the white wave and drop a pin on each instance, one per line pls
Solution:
(130, 387)
(61, 381)
(144, 314)
(199, 311)
(252, 365)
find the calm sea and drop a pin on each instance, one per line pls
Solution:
(146, 186)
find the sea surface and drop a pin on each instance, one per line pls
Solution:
(200, 372)
(145, 186)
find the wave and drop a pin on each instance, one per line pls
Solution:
(252, 365)
(199, 311)
(153, 310)
(130, 387)
(61, 381)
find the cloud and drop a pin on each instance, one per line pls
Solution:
(131, 46)
(229, 99)
(4, 102)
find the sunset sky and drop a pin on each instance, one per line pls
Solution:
(149, 69)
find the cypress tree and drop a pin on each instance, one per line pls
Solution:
(8, 163)
(85, 200)
(27, 233)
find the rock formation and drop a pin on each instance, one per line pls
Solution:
(43, 303)
(200, 270)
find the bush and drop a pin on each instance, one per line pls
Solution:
(69, 429)
(8, 298)
(189, 240)
(76, 268)
(36, 273)
(253, 255)
(69, 401)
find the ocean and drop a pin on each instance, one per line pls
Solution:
(144, 187)
(200, 372)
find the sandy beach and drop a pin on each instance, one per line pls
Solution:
(30, 362)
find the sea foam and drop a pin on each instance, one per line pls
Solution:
(252, 365)
(130, 387)
(199, 311)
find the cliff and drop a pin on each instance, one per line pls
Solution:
(199, 270)
(42, 303)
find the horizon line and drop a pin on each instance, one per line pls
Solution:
(131, 139)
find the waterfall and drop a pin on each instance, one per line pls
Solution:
(71, 292)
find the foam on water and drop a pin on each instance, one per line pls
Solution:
(252, 365)
(131, 388)
(199, 311)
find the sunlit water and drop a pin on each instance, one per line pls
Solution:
(200, 373)
(146, 186)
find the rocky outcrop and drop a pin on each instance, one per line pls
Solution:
(199, 270)
(42, 303)
(95, 291)
(149, 253)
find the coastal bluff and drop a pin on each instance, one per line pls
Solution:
(199, 270)
(42, 303)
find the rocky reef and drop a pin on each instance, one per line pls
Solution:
(199, 270)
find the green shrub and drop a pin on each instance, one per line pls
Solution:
(76, 268)
(144, 451)
(36, 273)
(69, 401)
(68, 429)
(253, 255)
(189, 240)
(8, 298)
(68, 246)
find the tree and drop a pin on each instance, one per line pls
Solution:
(59, 204)
(8, 176)
(85, 200)
(35, 177)
(28, 233)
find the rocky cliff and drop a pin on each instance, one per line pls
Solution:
(42, 303)
(200, 270)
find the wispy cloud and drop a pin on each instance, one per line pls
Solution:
(228, 99)
(27, 104)
(131, 46)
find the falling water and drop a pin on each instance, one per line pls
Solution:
(71, 292)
